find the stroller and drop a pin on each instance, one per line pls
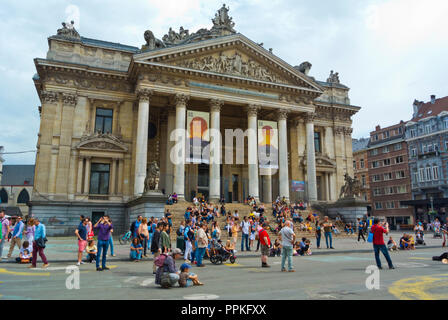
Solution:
(420, 238)
(437, 233)
(218, 254)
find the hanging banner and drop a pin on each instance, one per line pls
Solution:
(267, 144)
(198, 137)
(298, 186)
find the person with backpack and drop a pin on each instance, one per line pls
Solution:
(155, 245)
(378, 242)
(167, 274)
(135, 225)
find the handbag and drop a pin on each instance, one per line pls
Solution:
(41, 242)
(370, 237)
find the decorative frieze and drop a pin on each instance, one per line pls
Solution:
(49, 97)
(69, 99)
(310, 117)
(85, 82)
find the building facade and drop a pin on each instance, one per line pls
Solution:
(16, 187)
(427, 139)
(361, 166)
(110, 111)
(389, 176)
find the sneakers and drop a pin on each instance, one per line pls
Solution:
(45, 265)
(392, 267)
(106, 268)
(292, 270)
(283, 270)
(99, 269)
(265, 265)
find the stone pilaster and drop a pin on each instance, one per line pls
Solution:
(311, 157)
(283, 154)
(215, 150)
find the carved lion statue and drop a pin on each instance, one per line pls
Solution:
(152, 177)
(152, 42)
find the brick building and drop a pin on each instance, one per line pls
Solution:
(360, 165)
(389, 176)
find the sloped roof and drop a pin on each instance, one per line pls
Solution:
(429, 110)
(360, 144)
(18, 175)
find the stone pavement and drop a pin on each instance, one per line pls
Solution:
(64, 249)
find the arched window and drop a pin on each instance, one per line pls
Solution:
(3, 196)
(24, 196)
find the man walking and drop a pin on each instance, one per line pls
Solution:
(265, 241)
(378, 242)
(155, 245)
(103, 226)
(5, 231)
(288, 238)
(39, 244)
(245, 228)
(16, 238)
(165, 241)
(189, 238)
(202, 244)
(361, 226)
(81, 233)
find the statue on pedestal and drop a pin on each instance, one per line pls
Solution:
(152, 178)
(351, 189)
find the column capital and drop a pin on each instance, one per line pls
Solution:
(49, 96)
(216, 105)
(144, 94)
(310, 117)
(181, 99)
(69, 99)
(338, 130)
(282, 114)
(348, 131)
(252, 110)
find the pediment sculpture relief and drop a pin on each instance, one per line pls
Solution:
(234, 65)
(100, 141)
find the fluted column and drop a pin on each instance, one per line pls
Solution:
(87, 176)
(311, 157)
(267, 186)
(79, 179)
(179, 154)
(252, 152)
(215, 150)
(283, 154)
(141, 152)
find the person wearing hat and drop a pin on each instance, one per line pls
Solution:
(167, 275)
(187, 278)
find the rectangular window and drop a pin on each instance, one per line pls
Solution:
(376, 177)
(423, 149)
(103, 120)
(390, 205)
(388, 176)
(363, 180)
(99, 178)
(386, 149)
(386, 162)
(398, 146)
(399, 174)
(429, 148)
(400, 130)
(374, 152)
(375, 164)
(428, 174)
(413, 133)
(386, 134)
(354, 164)
(435, 173)
(427, 129)
(378, 205)
(399, 159)
(413, 152)
(421, 177)
(401, 189)
(445, 122)
(361, 162)
(317, 147)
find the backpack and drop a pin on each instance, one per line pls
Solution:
(160, 260)
(132, 227)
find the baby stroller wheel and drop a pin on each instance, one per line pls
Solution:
(218, 260)
(232, 259)
(213, 259)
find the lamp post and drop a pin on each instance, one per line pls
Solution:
(431, 199)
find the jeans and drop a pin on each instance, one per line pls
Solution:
(199, 255)
(145, 245)
(361, 234)
(135, 256)
(245, 239)
(188, 249)
(381, 247)
(329, 235)
(102, 247)
(1, 247)
(287, 253)
(111, 245)
(150, 240)
(318, 237)
(36, 250)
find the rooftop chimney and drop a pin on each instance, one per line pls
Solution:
(416, 105)
(433, 98)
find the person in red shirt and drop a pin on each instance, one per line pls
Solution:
(378, 242)
(265, 242)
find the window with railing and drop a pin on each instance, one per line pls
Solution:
(103, 120)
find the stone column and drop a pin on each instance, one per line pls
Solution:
(311, 157)
(267, 186)
(283, 155)
(141, 152)
(179, 167)
(169, 145)
(120, 177)
(87, 176)
(329, 142)
(333, 191)
(327, 186)
(215, 151)
(252, 150)
(113, 177)
(79, 182)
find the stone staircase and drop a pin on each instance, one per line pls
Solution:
(178, 210)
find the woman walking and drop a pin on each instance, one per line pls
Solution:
(30, 229)
(328, 229)
(144, 235)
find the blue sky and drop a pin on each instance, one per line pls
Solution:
(388, 52)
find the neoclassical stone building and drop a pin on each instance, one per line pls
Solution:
(108, 111)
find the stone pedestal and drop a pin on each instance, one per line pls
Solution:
(349, 209)
(150, 204)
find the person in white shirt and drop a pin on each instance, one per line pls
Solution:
(287, 238)
(245, 229)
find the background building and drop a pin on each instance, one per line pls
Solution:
(361, 166)
(427, 139)
(16, 187)
(389, 176)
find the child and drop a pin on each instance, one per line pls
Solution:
(91, 250)
(186, 278)
(392, 245)
(136, 250)
(25, 254)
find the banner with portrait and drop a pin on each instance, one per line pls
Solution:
(198, 137)
(267, 144)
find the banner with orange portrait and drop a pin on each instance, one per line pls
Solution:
(198, 137)
(267, 144)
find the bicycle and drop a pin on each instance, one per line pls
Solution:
(125, 238)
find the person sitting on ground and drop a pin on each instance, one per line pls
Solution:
(26, 253)
(187, 278)
(136, 250)
(167, 274)
(404, 242)
(392, 245)
(411, 242)
(336, 230)
(91, 250)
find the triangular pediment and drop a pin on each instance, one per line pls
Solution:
(234, 56)
(103, 142)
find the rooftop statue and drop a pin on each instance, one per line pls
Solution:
(333, 78)
(68, 31)
(152, 42)
(222, 20)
